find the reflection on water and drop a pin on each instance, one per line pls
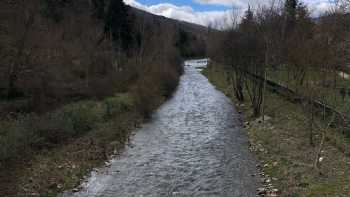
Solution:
(192, 147)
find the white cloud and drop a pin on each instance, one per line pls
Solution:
(234, 3)
(185, 13)
(218, 19)
(317, 7)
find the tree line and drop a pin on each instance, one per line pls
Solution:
(58, 51)
(81, 71)
(284, 38)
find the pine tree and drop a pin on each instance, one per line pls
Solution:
(182, 42)
(290, 7)
(247, 24)
(290, 11)
(53, 9)
(99, 8)
(249, 15)
(118, 24)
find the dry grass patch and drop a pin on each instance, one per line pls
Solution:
(282, 145)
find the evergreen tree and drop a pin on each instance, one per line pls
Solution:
(99, 6)
(182, 42)
(118, 24)
(249, 15)
(247, 24)
(290, 12)
(53, 9)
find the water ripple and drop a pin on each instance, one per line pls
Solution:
(192, 147)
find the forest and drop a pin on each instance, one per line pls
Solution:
(283, 43)
(79, 77)
(71, 73)
(290, 70)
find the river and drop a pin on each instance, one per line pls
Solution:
(193, 146)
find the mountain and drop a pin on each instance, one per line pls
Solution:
(195, 29)
(54, 52)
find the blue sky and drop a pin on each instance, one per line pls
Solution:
(216, 13)
(195, 5)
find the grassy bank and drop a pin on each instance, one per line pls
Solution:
(332, 88)
(43, 155)
(281, 143)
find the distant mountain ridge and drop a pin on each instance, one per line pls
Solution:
(196, 29)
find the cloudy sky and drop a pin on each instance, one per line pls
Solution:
(211, 12)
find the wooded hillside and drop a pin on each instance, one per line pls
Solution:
(78, 76)
(54, 52)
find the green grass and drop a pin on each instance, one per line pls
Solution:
(315, 79)
(43, 155)
(30, 132)
(283, 144)
(62, 168)
(47, 154)
(119, 104)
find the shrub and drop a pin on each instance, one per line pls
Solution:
(31, 132)
(169, 81)
(118, 104)
(72, 120)
(82, 116)
(146, 95)
(16, 136)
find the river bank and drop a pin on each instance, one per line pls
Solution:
(60, 167)
(193, 146)
(45, 154)
(282, 145)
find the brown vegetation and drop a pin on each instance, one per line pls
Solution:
(56, 52)
(280, 141)
(308, 58)
(285, 39)
(70, 69)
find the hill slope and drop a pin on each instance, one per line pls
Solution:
(74, 79)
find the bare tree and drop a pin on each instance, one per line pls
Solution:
(343, 5)
(24, 21)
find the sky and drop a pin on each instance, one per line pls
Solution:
(216, 13)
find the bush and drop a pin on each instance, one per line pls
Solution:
(146, 95)
(16, 136)
(31, 132)
(82, 116)
(154, 86)
(118, 104)
(169, 81)
(53, 9)
(72, 120)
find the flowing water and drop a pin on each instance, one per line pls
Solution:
(193, 146)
